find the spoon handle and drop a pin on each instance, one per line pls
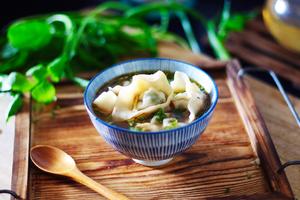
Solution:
(78, 176)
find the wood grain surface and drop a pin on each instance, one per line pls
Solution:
(222, 164)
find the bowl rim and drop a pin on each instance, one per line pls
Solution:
(209, 111)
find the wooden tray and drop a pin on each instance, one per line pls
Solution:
(234, 158)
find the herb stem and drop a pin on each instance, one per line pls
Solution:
(215, 42)
(186, 25)
(224, 17)
(165, 20)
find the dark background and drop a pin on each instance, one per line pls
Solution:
(14, 9)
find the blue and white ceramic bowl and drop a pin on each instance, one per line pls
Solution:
(151, 148)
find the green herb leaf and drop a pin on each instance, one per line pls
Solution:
(14, 106)
(44, 92)
(16, 82)
(171, 124)
(38, 72)
(20, 82)
(30, 35)
(160, 115)
(56, 68)
(237, 21)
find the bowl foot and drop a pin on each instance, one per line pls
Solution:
(152, 163)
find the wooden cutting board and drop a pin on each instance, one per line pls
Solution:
(220, 164)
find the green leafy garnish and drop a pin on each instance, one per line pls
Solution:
(132, 122)
(202, 88)
(171, 124)
(44, 92)
(14, 106)
(199, 85)
(16, 82)
(12, 63)
(38, 72)
(29, 35)
(56, 68)
(160, 115)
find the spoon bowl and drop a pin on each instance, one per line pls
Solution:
(52, 159)
(55, 161)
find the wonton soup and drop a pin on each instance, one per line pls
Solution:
(151, 101)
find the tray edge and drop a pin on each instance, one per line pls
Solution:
(257, 130)
(20, 171)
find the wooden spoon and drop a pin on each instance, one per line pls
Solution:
(56, 161)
